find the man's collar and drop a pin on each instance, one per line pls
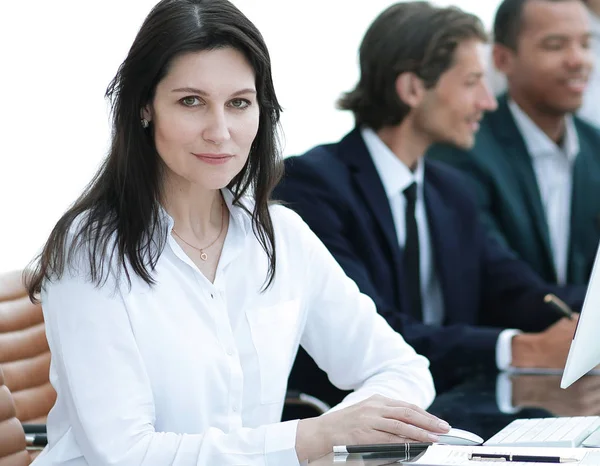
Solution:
(537, 142)
(395, 175)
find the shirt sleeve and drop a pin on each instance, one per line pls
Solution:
(102, 384)
(504, 349)
(350, 341)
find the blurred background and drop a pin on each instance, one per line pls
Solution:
(57, 59)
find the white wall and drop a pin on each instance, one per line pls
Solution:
(58, 57)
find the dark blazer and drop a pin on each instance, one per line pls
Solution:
(337, 191)
(506, 191)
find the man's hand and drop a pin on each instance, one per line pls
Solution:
(547, 349)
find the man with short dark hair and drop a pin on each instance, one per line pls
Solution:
(535, 167)
(405, 229)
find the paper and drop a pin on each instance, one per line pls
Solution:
(442, 455)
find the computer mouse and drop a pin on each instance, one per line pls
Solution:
(460, 437)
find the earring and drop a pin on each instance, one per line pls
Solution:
(145, 123)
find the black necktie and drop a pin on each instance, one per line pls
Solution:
(412, 269)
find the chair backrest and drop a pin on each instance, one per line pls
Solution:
(24, 352)
(12, 437)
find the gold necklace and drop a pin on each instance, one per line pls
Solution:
(203, 255)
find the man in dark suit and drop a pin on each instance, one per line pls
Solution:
(535, 167)
(406, 230)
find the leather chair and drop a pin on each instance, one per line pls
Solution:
(12, 438)
(307, 405)
(24, 352)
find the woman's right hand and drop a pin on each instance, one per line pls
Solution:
(375, 420)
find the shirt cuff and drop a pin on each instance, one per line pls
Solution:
(504, 394)
(504, 349)
(280, 444)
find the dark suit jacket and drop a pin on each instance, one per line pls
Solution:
(507, 194)
(337, 191)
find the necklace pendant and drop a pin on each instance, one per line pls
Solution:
(203, 256)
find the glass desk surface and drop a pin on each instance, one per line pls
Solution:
(474, 406)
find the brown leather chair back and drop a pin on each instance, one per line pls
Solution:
(24, 352)
(12, 437)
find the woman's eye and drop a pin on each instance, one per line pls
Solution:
(240, 103)
(190, 101)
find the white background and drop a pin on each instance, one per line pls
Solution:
(57, 57)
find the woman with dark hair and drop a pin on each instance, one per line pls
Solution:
(175, 296)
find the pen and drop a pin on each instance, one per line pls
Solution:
(559, 305)
(522, 458)
(406, 448)
(36, 440)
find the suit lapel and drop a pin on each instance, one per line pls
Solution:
(515, 152)
(443, 228)
(353, 151)
(585, 209)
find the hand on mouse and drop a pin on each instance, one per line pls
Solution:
(375, 420)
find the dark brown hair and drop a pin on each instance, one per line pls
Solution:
(508, 22)
(118, 214)
(412, 37)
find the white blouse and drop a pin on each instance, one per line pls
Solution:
(187, 372)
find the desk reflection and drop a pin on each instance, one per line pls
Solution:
(356, 460)
(544, 392)
(487, 404)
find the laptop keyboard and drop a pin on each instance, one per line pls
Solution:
(547, 432)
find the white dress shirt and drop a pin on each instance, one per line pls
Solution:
(396, 177)
(188, 372)
(553, 167)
